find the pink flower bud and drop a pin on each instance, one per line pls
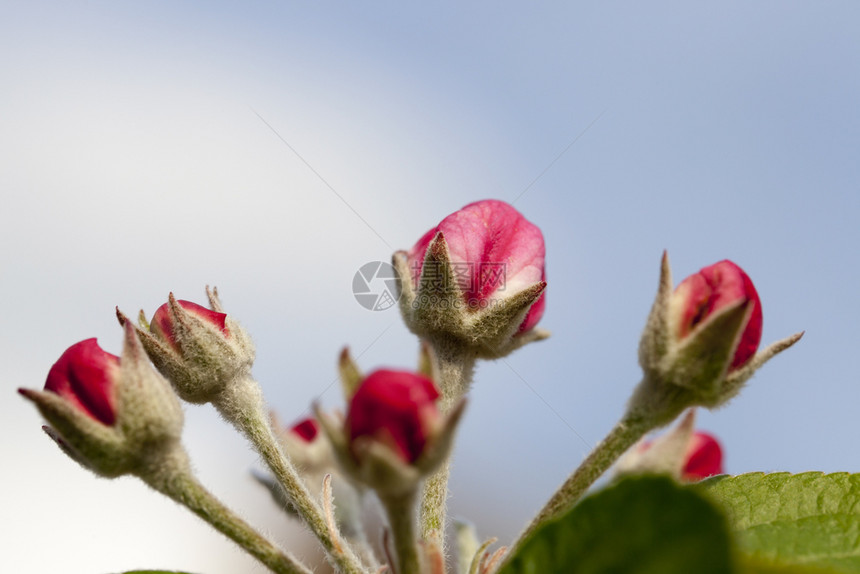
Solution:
(162, 324)
(704, 458)
(203, 352)
(85, 375)
(397, 408)
(700, 344)
(306, 429)
(682, 453)
(714, 287)
(494, 252)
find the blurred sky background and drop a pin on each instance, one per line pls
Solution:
(138, 156)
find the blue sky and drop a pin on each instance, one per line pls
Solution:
(139, 156)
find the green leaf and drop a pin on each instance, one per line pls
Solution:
(807, 519)
(641, 525)
(752, 566)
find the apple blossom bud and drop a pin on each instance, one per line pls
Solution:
(478, 277)
(682, 453)
(164, 323)
(113, 416)
(201, 351)
(700, 344)
(704, 458)
(306, 429)
(710, 290)
(306, 447)
(393, 434)
(397, 408)
(85, 375)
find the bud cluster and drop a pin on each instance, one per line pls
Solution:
(472, 287)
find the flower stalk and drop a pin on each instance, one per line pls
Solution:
(472, 287)
(454, 370)
(173, 477)
(400, 510)
(627, 432)
(242, 405)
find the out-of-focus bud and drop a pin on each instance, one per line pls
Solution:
(112, 416)
(699, 345)
(393, 434)
(306, 446)
(682, 453)
(397, 408)
(477, 278)
(704, 458)
(201, 351)
(306, 429)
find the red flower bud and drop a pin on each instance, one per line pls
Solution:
(85, 376)
(704, 458)
(202, 352)
(681, 453)
(113, 416)
(306, 429)
(397, 408)
(162, 324)
(711, 289)
(700, 344)
(494, 252)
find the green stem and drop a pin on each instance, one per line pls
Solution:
(625, 434)
(173, 477)
(455, 378)
(401, 519)
(242, 405)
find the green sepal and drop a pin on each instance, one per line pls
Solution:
(701, 361)
(350, 375)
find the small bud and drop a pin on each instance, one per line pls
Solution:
(201, 351)
(306, 447)
(306, 429)
(682, 453)
(113, 416)
(699, 345)
(397, 408)
(393, 434)
(704, 458)
(478, 278)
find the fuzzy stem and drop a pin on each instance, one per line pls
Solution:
(401, 519)
(242, 405)
(632, 427)
(456, 368)
(172, 476)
